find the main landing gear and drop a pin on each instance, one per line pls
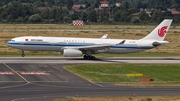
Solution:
(23, 55)
(89, 57)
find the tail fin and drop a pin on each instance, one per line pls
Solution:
(160, 31)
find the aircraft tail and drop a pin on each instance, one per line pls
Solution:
(160, 31)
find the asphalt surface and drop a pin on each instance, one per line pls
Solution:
(44, 79)
(62, 60)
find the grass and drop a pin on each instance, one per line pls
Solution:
(161, 73)
(124, 98)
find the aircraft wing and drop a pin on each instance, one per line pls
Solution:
(95, 47)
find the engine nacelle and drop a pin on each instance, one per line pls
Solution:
(72, 53)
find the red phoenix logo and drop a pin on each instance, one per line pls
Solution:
(162, 31)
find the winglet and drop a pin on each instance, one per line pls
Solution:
(104, 36)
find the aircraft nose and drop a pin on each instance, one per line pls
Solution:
(9, 43)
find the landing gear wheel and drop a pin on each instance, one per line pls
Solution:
(85, 57)
(89, 57)
(93, 57)
(23, 55)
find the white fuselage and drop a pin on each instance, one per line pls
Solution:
(32, 43)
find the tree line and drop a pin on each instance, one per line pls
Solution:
(57, 11)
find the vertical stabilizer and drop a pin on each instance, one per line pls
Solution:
(160, 31)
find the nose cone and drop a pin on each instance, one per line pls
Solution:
(10, 43)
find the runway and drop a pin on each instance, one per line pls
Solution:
(45, 79)
(63, 60)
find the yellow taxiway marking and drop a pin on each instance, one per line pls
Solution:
(134, 74)
(17, 73)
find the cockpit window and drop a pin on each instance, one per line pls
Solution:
(13, 40)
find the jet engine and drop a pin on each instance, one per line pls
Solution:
(72, 53)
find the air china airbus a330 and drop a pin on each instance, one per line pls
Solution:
(75, 47)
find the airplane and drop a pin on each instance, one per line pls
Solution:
(76, 47)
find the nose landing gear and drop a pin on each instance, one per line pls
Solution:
(23, 55)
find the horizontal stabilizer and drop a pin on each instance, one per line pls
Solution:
(158, 43)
